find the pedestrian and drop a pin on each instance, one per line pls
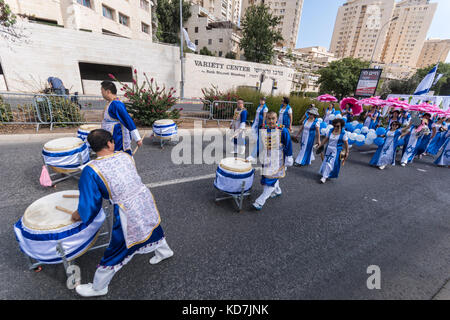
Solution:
(285, 115)
(117, 121)
(137, 222)
(56, 85)
(275, 153)
(385, 154)
(310, 131)
(336, 151)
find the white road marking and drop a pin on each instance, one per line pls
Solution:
(184, 180)
(374, 200)
(422, 170)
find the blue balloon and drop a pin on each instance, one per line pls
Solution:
(380, 131)
(323, 125)
(360, 143)
(337, 112)
(379, 141)
(401, 142)
(345, 120)
(359, 126)
(349, 127)
(350, 141)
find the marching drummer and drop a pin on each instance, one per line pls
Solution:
(117, 121)
(275, 153)
(136, 227)
(238, 126)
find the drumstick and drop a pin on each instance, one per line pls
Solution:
(71, 196)
(63, 210)
(137, 147)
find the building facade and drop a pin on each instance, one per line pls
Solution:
(223, 10)
(433, 51)
(290, 12)
(130, 19)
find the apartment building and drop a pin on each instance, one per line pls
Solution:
(125, 18)
(224, 10)
(433, 51)
(289, 11)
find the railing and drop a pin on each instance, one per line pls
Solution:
(224, 110)
(194, 109)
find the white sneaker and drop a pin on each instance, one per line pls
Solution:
(323, 179)
(257, 206)
(403, 164)
(274, 195)
(382, 167)
(158, 259)
(86, 290)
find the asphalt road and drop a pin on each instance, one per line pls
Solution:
(314, 242)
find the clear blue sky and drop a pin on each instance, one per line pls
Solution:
(318, 17)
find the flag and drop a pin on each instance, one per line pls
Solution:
(189, 44)
(438, 77)
(427, 82)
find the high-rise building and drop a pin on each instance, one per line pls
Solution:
(407, 34)
(223, 10)
(358, 24)
(433, 51)
(289, 11)
(383, 31)
(131, 19)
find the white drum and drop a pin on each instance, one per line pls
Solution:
(231, 173)
(43, 226)
(165, 128)
(63, 154)
(84, 130)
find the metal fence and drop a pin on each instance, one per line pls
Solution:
(49, 109)
(224, 110)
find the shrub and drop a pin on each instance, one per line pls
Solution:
(63, 110)
(148, 102)
(6, 114)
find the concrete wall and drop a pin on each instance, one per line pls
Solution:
(52, 51)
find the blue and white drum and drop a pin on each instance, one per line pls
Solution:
(65, 154)
(165, 128)
(231, 173)
(84, 130)
(43, 226)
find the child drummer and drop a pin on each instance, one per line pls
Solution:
(275, 153)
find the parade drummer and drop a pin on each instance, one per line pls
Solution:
(238, 127)
(275, 152)
(117, 121)
(136, 228)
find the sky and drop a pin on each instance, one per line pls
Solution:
(318, 17)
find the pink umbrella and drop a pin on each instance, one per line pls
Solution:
(327, 98)
(354, 106)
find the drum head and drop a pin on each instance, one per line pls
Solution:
(63, 144)
(90, 127)
(235, 164)
(43, 215)
(163, 122)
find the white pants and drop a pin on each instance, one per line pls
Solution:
(103, 276)
(267, 192)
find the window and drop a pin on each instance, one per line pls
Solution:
(99, 72)
(196, 42)
(221, 40)
(145, 5)
(145, 28)
(196, 30)
(86, 3)
(123, 19)
(108, 12)
(209, 41)
(220, 53)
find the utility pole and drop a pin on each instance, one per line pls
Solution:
(379, 32)
(181, 51)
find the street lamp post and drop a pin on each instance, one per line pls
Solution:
(181, 51)
(376, 43)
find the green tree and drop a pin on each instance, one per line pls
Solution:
(168, 16)
(230, 55)
(8, 22)
(340, 77)
(204, 51)
(259, 34)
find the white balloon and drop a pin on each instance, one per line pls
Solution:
(357, 131)
(371, 135)
(368, 142)
(331, 117)
(319, 120)
(330, 127)
(323, 131)
(364, 129)
(338, 116)
(360, 138)
(355, 123)
(372, 130)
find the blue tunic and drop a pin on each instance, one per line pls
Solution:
(122, 138)
(436, 143)
(332, 156)
(305, 155)
(286, 120)
(287, 152)
(444, 158)
(92, 191)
